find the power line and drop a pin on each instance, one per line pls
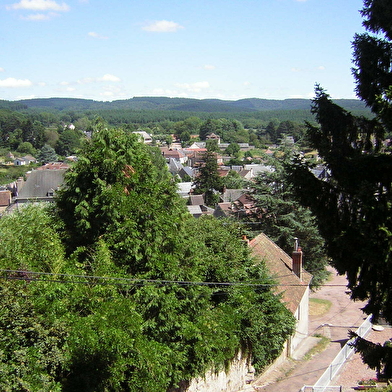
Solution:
(31, 276)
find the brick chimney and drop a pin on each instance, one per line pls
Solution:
(297, 260)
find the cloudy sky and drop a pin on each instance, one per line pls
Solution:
(227, 49)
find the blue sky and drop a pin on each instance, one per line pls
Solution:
(226, 49)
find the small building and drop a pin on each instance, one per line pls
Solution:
(223, 210)
(213, 136)
(26, 160)
(184, 189)
(41, 185)
(293, 283)
(173, 153)
(5, 199)
(144, 136)
(186, 172)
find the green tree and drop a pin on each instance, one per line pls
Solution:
(32, 351)
(126, 309)
(212, 145)
(187, 127)
(209, 126)
(35, 245)
(233, 149)
(272, 130)
(353, 206)
(373, 59)
(282, 218)
(47, 154)
(234, 181)
(33, 132)
(208, 181)
(26, 148)
(69, 142)
(117, 191)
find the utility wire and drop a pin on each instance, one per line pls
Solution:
(103, 280)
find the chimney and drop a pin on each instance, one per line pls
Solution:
(245, 239)
(297, 260)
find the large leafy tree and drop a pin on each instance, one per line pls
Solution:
(117, 191)
(353, 206)
(69, 142)
(147, 297)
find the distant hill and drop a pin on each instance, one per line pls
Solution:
(176, 104)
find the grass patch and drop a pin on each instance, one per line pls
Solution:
(10, 173)
(318, 307)
(318, 348)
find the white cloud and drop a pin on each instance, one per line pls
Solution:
(107, 94)
(194, 87)
(96, 35)
(209, 66)
(64, 83)
(39, 17)
(109, 78)
(2, 69)
(86, 80)
(247, 83)
(321, 68)
(104, 78)
(163, 92)
(163, 26)
(14, 83)
(19, 97)
(70, 89)
(39, 5)
(294, 69)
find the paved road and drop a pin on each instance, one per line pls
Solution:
(343, 315)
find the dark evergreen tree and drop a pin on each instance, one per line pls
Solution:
(47, 154)
(353, 206)
(208, 181)
(280, 216)
(209, 126)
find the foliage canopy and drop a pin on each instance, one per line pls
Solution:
(138, 298)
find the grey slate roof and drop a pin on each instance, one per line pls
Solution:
(230, 195)
(41, 184)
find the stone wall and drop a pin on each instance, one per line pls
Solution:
(235, 379)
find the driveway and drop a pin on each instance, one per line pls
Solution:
(343, 315)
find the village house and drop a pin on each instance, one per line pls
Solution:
(5, 199)
(176, 154)
(293, 283)
(40, 185)
(26, 160)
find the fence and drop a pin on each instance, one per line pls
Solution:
(322, 384)
(307, 388)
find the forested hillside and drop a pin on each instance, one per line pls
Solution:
(61, 123)
(180, 104)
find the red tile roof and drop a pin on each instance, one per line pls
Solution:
(5, 198)
(279, 263)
